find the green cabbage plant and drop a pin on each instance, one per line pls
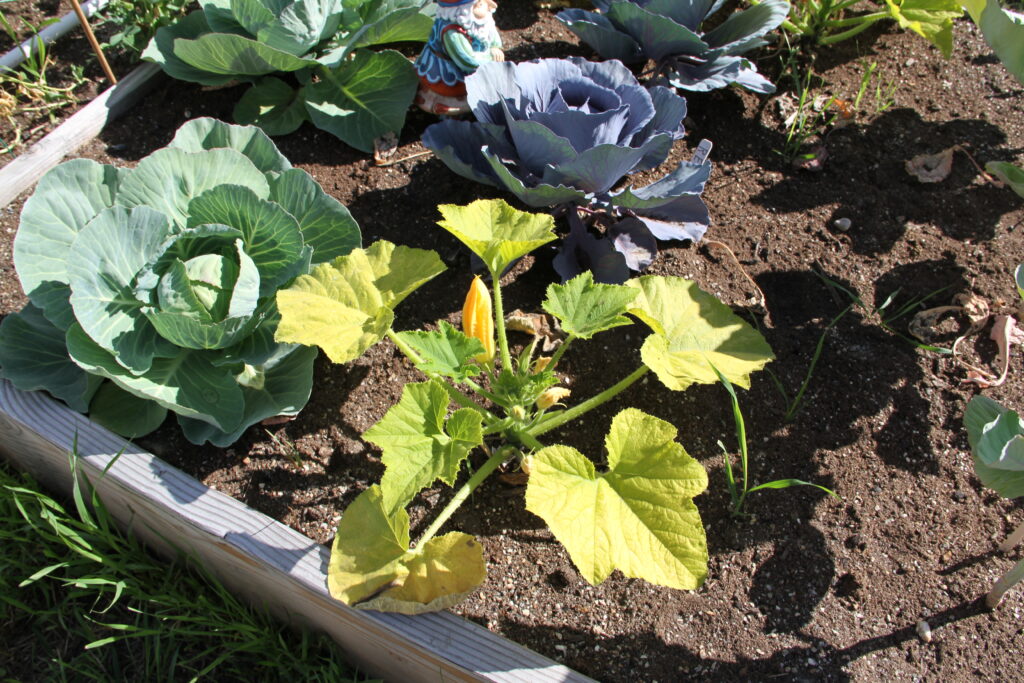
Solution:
(996, 436)
(318, 46)
(636, 514)
(161, 280)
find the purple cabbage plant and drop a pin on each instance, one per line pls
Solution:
(561, 134)
(668, 31)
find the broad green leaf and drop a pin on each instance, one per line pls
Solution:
(345, 307)
(64, 201)
(1018, 277)
(584, 308)
(311, 315)
(408, 24)
(218, 15)
(272, 237)
(419, 445)
(202, 134)
(301, 25)
(638, 517)
(287, 383)
(236, 56)
(445, 572)
(399, 270)
(692, 331)
(1003, 31)
(372, 567)
(124, 413)
(188, 383)
(1007, 172)
(996, 437)
(496, 232)
(33, 356)
(161, 50)
(930, 19)
(170, 178)
(363, 98)
(108, 253)
(252, 15)
(446, 351)
(273, 105)
(326, 224)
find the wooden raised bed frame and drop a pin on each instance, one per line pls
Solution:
(255, 556)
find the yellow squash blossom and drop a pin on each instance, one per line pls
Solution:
(477, 318)
(552, 397)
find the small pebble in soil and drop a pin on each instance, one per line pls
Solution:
(959, 496)
(842, 224)
(924, 631)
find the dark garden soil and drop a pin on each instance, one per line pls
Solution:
(806, 587)
(26, 119)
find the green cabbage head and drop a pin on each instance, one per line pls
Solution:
(153, 288)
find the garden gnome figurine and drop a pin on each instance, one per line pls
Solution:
(464, 37)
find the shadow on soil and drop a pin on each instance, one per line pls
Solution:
(816, 660)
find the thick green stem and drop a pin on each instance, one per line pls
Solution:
(560, 351)
(611, 392)
(407, 350)
(499, 323)
(858, 20)
(528, 439)
(462, 494)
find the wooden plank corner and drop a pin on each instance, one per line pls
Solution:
(253, 555)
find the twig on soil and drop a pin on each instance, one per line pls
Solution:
(762, 303)
(398, 161)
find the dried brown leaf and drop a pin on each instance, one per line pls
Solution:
(931, 168)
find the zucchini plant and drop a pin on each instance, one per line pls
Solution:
(637, 516)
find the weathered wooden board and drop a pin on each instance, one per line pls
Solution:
(254, 555)
(79, 128)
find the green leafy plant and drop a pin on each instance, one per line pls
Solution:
(636, 516)
(816, 117)
(161, 279)
(1012, 175)
(996, 436)
(1003, 30)
(351, 92)
(28, 90)
(739, 490)
(79, 600)
(138, 20)
(825, 22)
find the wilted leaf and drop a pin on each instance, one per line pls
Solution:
(372, 567)
(638, 516)
(932, 168)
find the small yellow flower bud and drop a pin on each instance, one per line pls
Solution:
(478, 320)
(552, 397)
(540, 364)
